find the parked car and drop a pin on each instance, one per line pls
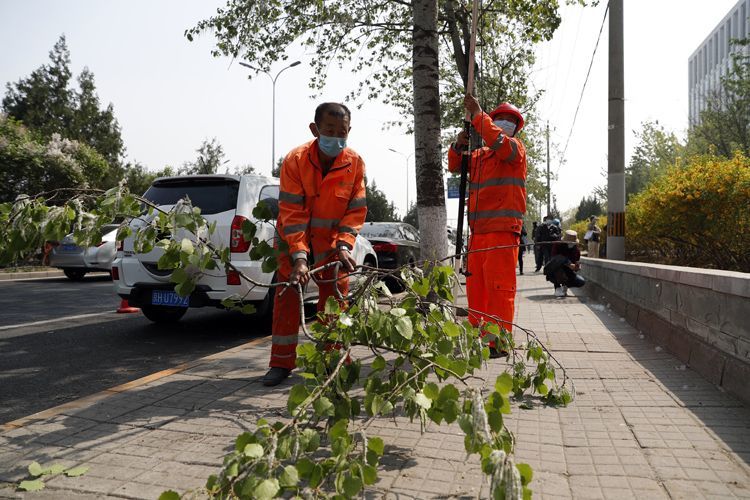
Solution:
(227, 200)
(395, 243)
(76, 261)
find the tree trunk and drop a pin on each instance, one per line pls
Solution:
(430, 191)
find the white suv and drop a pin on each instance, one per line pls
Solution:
(228, 200)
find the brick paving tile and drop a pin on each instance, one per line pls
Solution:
(643, 425)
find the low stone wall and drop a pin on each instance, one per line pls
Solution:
(702, 316)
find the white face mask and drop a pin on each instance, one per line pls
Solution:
(509, 128)
(571, 245)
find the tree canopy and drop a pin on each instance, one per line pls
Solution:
(379, 209)
(46, 102)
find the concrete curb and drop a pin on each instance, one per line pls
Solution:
(87, 401)
(31, 274)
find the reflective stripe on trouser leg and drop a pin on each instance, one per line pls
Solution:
(286, 322)
(494, 278)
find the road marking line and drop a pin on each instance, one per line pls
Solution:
(85, 401)
(46, 321)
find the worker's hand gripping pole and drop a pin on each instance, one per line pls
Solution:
(467, 126)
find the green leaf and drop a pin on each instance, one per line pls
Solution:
(185, 288)
(526, 473)
(378, 363)
(267, 489)
(449, 392)
(404, 328)
(77, 471)
(35, 469)
(423, 400)
(431, 390)
(352, 485)
(495, 420)
(55, 469)
(398, 312)
(370, 474)
(296, 396)
(323, 407)
(451, 329)
(169, 495)
(289, 478)
(504, 383)
(186, 246)
(339, 430)
(34, 485)
(421, 287)
(253, 450)
(376, 445)
(542, 389)
(332, 306)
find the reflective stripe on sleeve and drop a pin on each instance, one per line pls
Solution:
(498, 142)
(294, 228)
(491, 214)
(357, 203)
(514, 151)
(498, 181)
(297, 199)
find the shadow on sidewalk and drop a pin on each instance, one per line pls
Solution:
(726, 416)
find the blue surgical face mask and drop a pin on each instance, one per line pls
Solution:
(509, 128)
(331, 146)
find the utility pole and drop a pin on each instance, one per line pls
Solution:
(616, 137)
(548, 188)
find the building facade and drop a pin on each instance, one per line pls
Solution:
(713, 58)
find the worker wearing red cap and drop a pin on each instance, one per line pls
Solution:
(496, 205)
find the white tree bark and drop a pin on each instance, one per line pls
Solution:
(430, 191)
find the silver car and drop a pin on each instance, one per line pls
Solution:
(76, 261)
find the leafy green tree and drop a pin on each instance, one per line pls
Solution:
(379, 209)
(724, 126)
(656, 151)
(210, 158)
(276, 171)
(589, 206)
(46, 103)
(411, 216)
(396, 44)
(33, 164)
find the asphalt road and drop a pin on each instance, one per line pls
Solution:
(61, 340)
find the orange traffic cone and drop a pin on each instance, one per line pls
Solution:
(125, 308)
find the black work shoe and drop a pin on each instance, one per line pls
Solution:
(497, 353)
(275, 376)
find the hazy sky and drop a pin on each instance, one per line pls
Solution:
(170, 94)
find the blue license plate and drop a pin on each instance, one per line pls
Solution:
(69, 248)
(167, 298)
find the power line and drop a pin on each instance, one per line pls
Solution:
(583, 89)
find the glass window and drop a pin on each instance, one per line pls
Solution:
(270, 195)
(381, 231)
(212, 195)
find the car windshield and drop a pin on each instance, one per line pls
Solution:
(373, 231)
(212, 195)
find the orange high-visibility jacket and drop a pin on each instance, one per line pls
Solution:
(321, 213)
(497, 179)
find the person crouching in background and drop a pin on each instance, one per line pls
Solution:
(564, 262)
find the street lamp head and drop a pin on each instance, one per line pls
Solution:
(295, 63)
(393, 150)
(245, 65)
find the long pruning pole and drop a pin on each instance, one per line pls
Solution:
(467, 127)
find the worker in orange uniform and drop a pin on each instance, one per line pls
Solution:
(322, 207)
(496, 205)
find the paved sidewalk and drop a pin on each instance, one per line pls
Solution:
(642, 425)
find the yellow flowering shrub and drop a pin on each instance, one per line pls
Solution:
(696, 214)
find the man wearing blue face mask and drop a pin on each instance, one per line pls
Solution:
(322, 207)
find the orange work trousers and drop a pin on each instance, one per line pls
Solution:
(286, 313)
(491, 285)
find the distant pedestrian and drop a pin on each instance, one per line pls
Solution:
(522, 249)
(562, 268)
(593, 233)
(548, 232)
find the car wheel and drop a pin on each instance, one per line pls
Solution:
(163, 314)
(74, 274)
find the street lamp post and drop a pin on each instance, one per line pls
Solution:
(407, 173)
(273, 107)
